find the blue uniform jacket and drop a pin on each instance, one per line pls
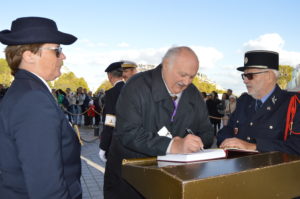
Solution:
(39, 150)
(266, 126)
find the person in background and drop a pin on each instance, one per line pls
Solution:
(91, 113)
(221, 107)
(229, 92)
(80, 97)
(129, 69)
(114, 74)
(39, 150)
(155, 110)
(259, 120)
(212, 105)
(230, 108)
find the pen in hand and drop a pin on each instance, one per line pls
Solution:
(189, 131)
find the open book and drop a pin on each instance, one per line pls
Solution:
(206, 154)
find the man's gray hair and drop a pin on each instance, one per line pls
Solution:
(276, 73)
(174, 51)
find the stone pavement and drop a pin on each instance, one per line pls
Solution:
(92, 166)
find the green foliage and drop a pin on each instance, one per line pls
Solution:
(5, 76)
(205, 86)
(105, 85)
(285, 75)
(69, 80)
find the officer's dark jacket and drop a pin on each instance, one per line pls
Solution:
(265, 127)
(110, 101)
(143, 108)
(39, 150)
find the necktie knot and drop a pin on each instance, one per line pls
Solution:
(174, 98)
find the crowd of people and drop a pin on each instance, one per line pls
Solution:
(82, 107)
(144, 115)
(220, 109)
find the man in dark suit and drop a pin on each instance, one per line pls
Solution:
(154, 111)
(39, 150)
(259, 120)
(114, 74)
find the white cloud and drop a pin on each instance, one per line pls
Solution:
(91, 64)
(274, 42)
(208, 56)
(123, 45)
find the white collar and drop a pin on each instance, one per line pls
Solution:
(117, 82)
(170, 93)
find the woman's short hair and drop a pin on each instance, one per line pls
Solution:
(14, 55)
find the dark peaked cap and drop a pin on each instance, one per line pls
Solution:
(261, 59)
(114, 66)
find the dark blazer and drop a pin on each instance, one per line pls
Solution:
(110, 101)
(39, 150)
(143, 108)
(264, 127)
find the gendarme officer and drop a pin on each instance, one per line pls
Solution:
(260, 117)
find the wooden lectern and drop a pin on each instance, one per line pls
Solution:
(265, 175)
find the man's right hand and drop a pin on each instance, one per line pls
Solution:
(102, 155)
(188, 144)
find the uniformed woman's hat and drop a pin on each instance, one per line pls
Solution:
(114, 66)
(128, 64)
(34, 30)
(261, 59)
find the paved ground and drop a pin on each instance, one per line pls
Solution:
(92, 166)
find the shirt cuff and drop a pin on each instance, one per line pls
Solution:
(169, 147)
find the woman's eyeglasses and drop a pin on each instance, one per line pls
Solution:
(250, 76)
(58, 50)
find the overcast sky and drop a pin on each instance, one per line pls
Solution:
(142, 30)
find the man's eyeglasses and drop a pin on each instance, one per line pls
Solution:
(58, 50)
(250, 76)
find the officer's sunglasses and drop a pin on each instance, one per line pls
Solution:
(250, 76)
(58, 50)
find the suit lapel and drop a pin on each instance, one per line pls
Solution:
(185, 113)
(162, 99)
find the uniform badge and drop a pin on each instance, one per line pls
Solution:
(274, 99)
(110, 120)
(245, 60)
(268, 108)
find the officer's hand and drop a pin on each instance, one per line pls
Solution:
(237, 143)
(188, 144)
(102, 155)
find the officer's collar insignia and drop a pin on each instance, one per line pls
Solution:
(274, 99)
